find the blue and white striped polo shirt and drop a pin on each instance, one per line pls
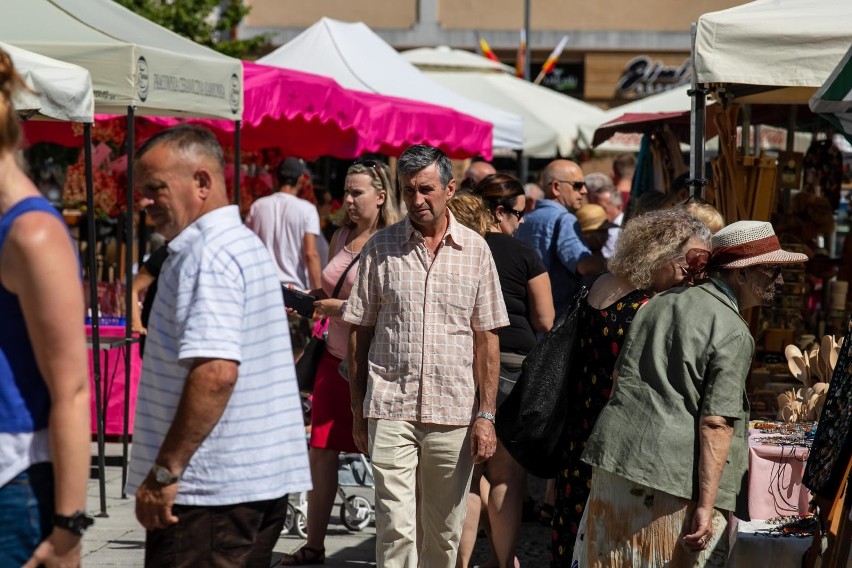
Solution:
(219, 297)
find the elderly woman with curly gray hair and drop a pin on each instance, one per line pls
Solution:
(656, 251)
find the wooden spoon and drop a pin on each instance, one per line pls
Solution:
(796, 362)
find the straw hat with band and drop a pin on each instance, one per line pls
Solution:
(749, 243)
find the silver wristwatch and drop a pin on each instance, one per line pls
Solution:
(163, 476)
(486, 415)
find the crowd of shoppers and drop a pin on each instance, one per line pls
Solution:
(431, 316)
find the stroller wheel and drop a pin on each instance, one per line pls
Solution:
(289, 519)
(356, 513)
(300, 525)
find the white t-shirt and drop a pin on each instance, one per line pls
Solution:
(219, 297)
(281, 221)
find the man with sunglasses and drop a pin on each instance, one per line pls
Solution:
(552, 229)
(671, 445)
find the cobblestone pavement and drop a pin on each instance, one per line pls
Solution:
(118, 540)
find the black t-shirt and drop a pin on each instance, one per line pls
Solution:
(517, 263)
(152, 265)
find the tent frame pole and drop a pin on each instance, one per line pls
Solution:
(95, 311)
(128, 293)
(238, 137)
(697, 128)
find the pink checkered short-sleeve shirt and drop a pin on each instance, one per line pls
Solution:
(424, 308)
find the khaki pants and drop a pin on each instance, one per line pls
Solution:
(438, 457)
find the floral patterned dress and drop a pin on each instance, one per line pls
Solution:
(603, 335)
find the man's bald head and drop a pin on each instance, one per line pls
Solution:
(477, 171)
(563, 181)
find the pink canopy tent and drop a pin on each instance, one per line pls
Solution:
(310, 116)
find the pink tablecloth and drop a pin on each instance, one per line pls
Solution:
(775, 479)
(112, 371)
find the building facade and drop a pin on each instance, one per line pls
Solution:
(617, 50)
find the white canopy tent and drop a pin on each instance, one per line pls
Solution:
(354, 56)
(551, 120)
(773, 50)
(673, 100)
(133, 62)
(58, 90)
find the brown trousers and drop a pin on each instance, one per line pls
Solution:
(226, 536)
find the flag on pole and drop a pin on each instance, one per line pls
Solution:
(552, 59)
(485, 49)
(521, 58)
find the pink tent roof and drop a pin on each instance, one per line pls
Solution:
(310, 116)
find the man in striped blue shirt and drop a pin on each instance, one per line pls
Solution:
(218, 437)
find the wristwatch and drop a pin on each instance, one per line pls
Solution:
(486, 415)
(163, 476)
(77, 523)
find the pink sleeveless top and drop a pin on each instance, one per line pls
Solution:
(338, 330)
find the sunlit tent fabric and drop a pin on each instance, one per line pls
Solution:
(551, 119)
(834, 99)
(354, 56)
(133, 62)
(793, 44)
(619, 127)
(58, 90)
(310, 116)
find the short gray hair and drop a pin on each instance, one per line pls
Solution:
(421, 156)
(188, 139)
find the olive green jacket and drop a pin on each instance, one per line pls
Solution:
(687, 355)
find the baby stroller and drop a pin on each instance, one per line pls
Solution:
(355, 470)
(356, 512)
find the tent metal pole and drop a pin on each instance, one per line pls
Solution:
(523, 167)
(238, 138)
(128, 292)
(95, 313)
(697, 127)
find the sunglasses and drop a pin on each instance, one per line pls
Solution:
(776, 272)
(515, 212)
(577, 185)
(368, 164)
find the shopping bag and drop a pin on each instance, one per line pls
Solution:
(531, 421)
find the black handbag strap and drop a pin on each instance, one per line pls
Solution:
(339, 284)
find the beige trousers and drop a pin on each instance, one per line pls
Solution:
(435, 458)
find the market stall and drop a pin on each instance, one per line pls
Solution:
(551, 119)
(768, 58)
(358, 59)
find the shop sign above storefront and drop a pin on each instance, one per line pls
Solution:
(643, 76)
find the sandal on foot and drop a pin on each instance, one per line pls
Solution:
(545, 514)
(305, 556)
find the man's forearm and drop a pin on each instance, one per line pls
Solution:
(359, 350)
(205, 395)
(486, 368)
(715, 433)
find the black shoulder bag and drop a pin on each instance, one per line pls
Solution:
(531, 421)
(306, 366)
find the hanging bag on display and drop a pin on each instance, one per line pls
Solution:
(531, 421)
(306, 366)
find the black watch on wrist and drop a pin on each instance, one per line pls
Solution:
(77, 523)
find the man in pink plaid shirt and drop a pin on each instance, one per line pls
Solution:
(424, 365)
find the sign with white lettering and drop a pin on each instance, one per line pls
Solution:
(642, 76)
